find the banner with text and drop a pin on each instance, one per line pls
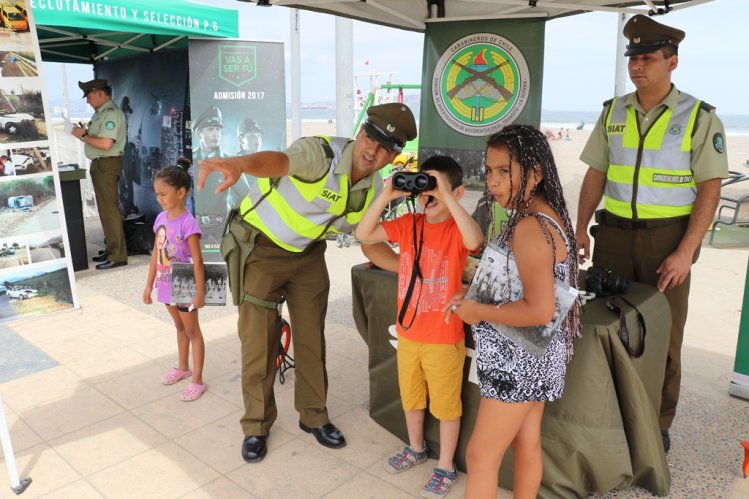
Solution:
(36, 271)
(481, 76)
(238, 106)
(165, 17)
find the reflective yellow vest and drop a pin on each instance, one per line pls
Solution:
(650, 176)
(294, 213)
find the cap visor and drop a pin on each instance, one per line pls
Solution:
(380, 136)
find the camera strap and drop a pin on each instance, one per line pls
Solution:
(626, 320)
(415, 274)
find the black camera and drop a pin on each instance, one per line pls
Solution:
(413, 182)
(602, 281)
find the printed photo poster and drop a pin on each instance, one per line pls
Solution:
(238, 107)
(36, 273)
(151, 90)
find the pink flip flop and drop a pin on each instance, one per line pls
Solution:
(193, 392)
(175, 375)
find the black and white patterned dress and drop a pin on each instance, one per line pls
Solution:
(507, 372)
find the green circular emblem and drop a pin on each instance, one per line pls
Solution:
(718, 143)
(480, 84)
(109, 125)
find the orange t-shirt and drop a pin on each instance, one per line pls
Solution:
(443, 257)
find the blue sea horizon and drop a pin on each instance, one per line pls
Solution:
(735, 124)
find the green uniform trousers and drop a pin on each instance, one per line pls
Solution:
(636, 254)
(105, 175)
(270, 274)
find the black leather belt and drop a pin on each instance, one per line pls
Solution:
(606, 218)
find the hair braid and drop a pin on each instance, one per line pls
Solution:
(530, 148)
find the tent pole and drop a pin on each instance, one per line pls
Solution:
(16, 485)
(296, 71)
(620, 74)
(344, 75)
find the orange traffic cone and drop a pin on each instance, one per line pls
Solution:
(745, 466)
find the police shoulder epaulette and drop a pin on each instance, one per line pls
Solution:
(325, 146)
(607, 103)
(706, 107)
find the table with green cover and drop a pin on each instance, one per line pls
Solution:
(602, 435)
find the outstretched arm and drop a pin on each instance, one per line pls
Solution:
(260, 164)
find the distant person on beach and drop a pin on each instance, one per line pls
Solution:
(431, 345)
(656, 157)
(581, 125)
(315, 187)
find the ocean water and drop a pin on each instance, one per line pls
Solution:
(735, 124)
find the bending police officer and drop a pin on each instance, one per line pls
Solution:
(318, 185)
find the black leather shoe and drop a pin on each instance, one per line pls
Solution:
(666, 440)
(327, 435)
(110, 265)
(254, 448)
(101, 257)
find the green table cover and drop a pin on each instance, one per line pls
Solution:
(602, 435)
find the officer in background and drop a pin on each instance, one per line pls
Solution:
(250, 139)
(209, 128)
(318, 185)
(656, 157)
(210, 210)
(104, 141)
(249, 136)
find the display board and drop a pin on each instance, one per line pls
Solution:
(36, 272)
(238, 106)
(481, 76)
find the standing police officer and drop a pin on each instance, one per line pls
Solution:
(105, 141)
(318, 185)
(657, 157)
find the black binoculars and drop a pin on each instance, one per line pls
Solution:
(602, 281)
(413, 182)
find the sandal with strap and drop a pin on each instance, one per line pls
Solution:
(193, 392)
(174, 375)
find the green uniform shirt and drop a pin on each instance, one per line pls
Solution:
(307, 161)
(707, 161)
(109, 122)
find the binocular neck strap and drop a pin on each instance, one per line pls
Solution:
(415, 273)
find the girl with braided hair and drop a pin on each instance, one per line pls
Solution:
(522, 177)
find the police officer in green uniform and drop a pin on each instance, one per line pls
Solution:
(656, 157)
(317, 186)
(105, 141)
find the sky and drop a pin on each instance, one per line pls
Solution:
(580, 54)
